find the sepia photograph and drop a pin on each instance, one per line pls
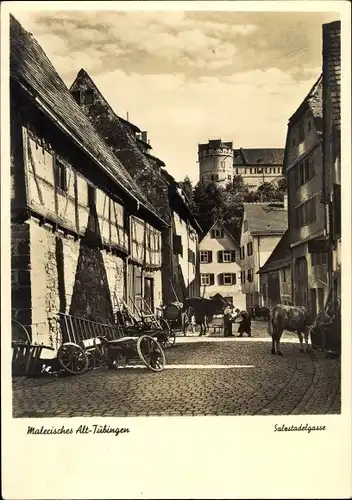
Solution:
(175, 195)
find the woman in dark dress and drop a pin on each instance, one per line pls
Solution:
(245, 323)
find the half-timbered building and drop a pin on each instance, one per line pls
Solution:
(82, 232)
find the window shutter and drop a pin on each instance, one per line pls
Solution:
(220, 259)
(211, 279)
(233, 255)
(221, 279)
(210, 256)
(234, 278)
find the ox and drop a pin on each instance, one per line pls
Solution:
(291, 318)
(205, 309)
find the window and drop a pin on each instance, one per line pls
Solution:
(92, 195)
(61, 175)
(217, 233)
(319, 258)
(305, 171)
(205, 256)
(226, 256)
(229, 177)
(309, 125)
(250, 275)
(236, 171)
(177, 245)
(245, 226)
(214, 177)
(228, 278)
(191, 256)
(242, 253)
(260, 170)
(284, 275)
(274, 170)
(249, 248)
(207, 279)
(243, 277)
(306, 212)
(301, 131)
(88, 97)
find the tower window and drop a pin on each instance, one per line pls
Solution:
(214, 177)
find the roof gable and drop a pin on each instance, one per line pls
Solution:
(218, 225)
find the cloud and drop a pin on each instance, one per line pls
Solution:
(189, 76)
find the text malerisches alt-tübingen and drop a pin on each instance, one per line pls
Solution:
(81, 429)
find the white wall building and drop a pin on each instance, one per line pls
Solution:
(263, 225)
(220, 271)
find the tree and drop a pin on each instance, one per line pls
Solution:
(187, 187)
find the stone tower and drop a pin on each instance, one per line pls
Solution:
(215, 162)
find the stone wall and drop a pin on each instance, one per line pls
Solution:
(53, 273)
(20, 269)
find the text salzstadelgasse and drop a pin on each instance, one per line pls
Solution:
(301, 427)
(81, 429)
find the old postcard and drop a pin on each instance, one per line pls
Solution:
(176, 208)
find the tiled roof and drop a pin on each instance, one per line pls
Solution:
(280, 256)
(122, 141)
(265, 156)
(30, 67)
(332, 67)
(314, 99)
(265, 218)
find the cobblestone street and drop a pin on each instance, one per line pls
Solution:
(215, 376)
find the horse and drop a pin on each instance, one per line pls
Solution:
(204, 309)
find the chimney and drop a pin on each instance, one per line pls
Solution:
(285, 202)
(144, 136)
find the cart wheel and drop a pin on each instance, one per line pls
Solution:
(169, 334)
(151, 353)
(73, 358)
(91, 359)
(99, 348)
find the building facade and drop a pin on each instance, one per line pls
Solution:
(303, 166)
(220, 270)
(82, 232)
(332, 149)
(275, 275)
(219, 163)
(263, 225)
(131, 146)
(257, 166)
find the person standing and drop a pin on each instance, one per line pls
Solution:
(228, 319)
(244, 324)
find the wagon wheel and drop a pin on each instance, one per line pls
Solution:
(73, 358)
(168, 333)
(99, 348)
(151, 353)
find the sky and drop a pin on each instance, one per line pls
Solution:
(186, 77)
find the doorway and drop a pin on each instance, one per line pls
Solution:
(149, 293)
